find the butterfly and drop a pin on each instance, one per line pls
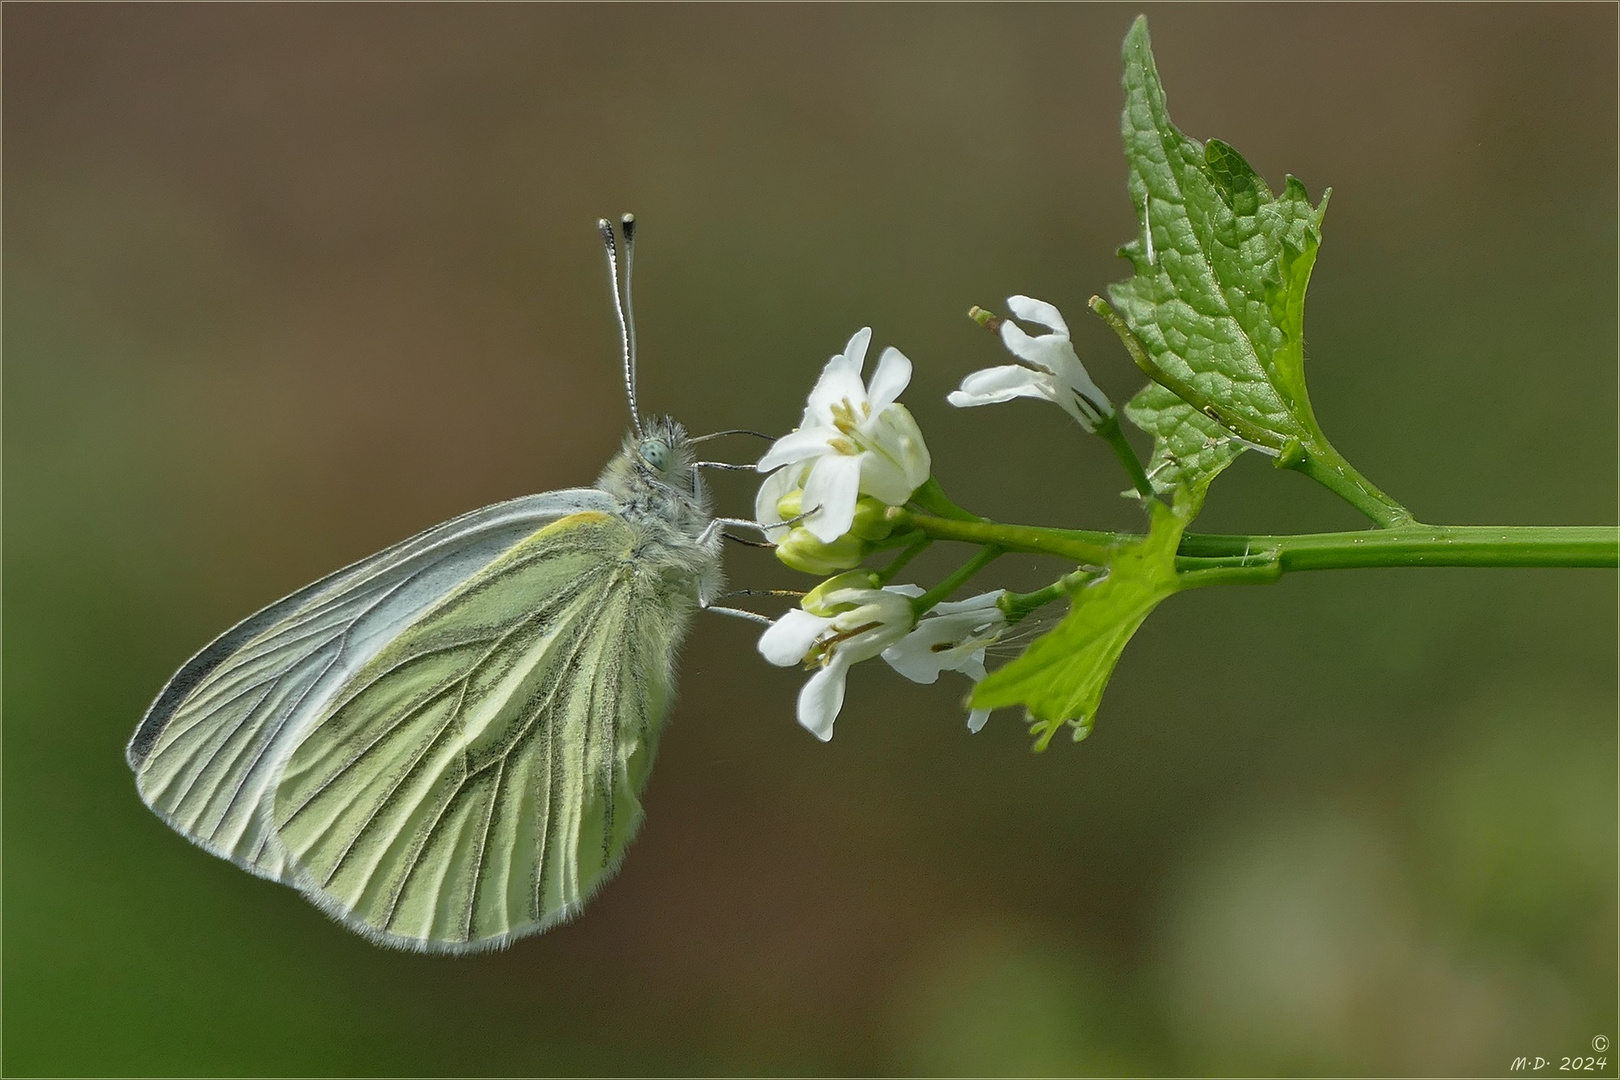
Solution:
(444, 746)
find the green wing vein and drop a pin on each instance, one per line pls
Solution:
(480, 776)
(212, 745)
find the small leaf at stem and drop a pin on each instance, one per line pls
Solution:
(1060, 678)
(1188, 447)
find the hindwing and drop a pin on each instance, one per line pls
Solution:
(479, 777)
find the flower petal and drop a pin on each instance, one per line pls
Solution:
(786, 640)
(855, 348)
(898, 463)
(771, 491)
(951, 637)
(821, 697)
(1038, 311)
(796, 446)
(976, 719)
(912, 656)
(1049, 352)
(997, 384)
(891, 377)
(830, 494)
(840, 381)
(987, 602)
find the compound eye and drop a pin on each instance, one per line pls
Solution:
(655, 453)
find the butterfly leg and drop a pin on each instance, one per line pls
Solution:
(708, 534)
(764, 527)
(751, 616)
(728, 467)
(734, 431)
(724, 465)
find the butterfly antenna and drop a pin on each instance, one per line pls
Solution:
(619, 305)
(628, 224)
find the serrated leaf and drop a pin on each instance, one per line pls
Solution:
(1060, 678)
(1220, 305)
(1189, 449)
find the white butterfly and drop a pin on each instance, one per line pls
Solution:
(443, 746)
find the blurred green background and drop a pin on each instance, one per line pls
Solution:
(285, 284)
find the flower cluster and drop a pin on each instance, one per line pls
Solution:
(841, 622)
(857, 452)
(849, 618)
(854, 439)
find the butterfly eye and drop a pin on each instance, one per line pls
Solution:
(655, 453)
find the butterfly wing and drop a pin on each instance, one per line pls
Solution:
(479, 777)
(210, 747)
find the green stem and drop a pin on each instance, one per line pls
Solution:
(1415, 545)
(917, 543)
(1204, 559)
(932, 498)
(1402, 545)
(1328, 467)
(1096, 548)
(1016, 606)
(940, 592)
(1110, 431)
(895, 540)
(1249, 572)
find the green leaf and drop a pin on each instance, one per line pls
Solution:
(1220, 305)
(1189, 449)
(1060, 678)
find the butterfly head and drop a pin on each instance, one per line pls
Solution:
(655, 452)
(655, 464)
(662, 453)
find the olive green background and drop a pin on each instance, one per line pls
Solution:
(284, 284)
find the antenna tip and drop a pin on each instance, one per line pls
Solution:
(628, 221)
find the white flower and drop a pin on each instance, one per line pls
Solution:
(841, 623)
(854, 438)
(776, 487)
(952, 637)
(1050, 369)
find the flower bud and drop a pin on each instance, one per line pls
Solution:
(821, 601)
(803, 550)
(871, 521)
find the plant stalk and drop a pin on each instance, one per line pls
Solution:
(941, 592)
(1416, 545)
(1401, 545)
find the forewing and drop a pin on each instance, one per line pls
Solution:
(481, 777)
(212, 743)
